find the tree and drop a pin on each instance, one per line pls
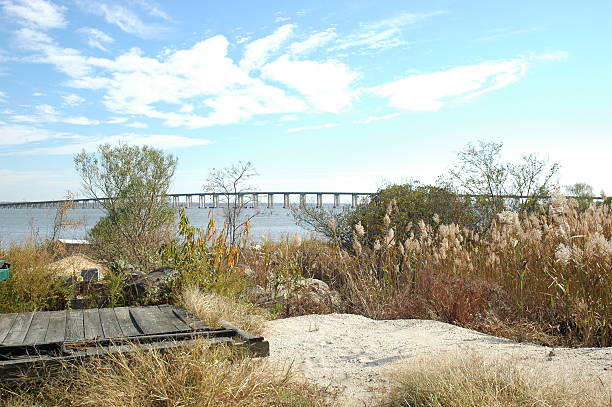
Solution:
(130, 183)
(481, 171)
(231, 182)
(582, 192)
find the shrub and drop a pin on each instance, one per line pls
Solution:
(33, 285)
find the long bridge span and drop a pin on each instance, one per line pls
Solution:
(252, 199)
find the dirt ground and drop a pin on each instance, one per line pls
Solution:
(355, 354)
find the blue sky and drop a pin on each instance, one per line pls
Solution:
(319, 95)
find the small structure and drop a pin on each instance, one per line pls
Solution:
(32, 340)
(5, 270)
(74, 245)
(73, 266)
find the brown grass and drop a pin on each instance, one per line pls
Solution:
(471, 381)
(198, 376)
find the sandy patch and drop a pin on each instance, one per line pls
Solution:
(72, 265)
(354, 354)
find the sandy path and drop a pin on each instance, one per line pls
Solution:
(354, 354)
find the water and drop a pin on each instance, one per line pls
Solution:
(18, 225)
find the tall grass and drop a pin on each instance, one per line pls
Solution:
(545, 277)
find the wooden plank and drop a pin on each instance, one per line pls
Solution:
(74, 326)
(19, 329)
(56, 332)
(125, 322)
(181, 326)
(92, 324)
(110, 325)
(151, 321)
(6, 322)
(193, 322)
(38, 329)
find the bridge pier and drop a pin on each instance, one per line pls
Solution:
(215, 203)
(286, 200)
(353, 200)
(336, 200)
(255, 200)
(270, 201)
(319, 200)
(302, 200)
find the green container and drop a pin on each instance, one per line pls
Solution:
(5, 271)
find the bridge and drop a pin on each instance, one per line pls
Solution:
(246, 199)
(211, 200)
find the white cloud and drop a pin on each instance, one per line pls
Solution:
(322, 126)
(288, 118)
(137, 125)
(152, 8)
(72, 99)
(36, 13)
(16, 134)
(122, 18)
(38, 94)
(48, 114)
(96, 38)
(382, 34)
(553, 56)
(12, 177)
(326, 85)
(429, 92)
(257, 52)
(313, 42)
(2, 96)
(116, 120)
(371, 119)
(162, 141)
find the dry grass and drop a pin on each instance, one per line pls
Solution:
(471, 381)
(198, 376)
(212, 308)
(545, 277)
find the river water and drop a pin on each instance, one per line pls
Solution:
(19, 225)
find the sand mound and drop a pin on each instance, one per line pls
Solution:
(72, 265)
(354, 354)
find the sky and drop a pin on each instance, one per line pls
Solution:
(318, 95)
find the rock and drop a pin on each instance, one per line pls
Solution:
(310, 291)
(153, 284)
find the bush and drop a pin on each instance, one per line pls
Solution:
(33, 285)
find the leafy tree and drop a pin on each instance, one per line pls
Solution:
(130, 183)
(399, 207)
(230, 183)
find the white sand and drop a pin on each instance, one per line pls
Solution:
(354, 354)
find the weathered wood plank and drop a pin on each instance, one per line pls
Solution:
(194, 323)
(92, 324)
(74, 326)
(110, 325)
(168, 311)
(19, 329)
(56, 332)
(38, 329)
(150, 320)
(125, 322)
(6, 322)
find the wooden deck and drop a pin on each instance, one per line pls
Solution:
(31, 337)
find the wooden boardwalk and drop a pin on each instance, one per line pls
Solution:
(31, 337)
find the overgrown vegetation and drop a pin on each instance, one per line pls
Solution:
(543, 277)
(472, 381)
(130, 183)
